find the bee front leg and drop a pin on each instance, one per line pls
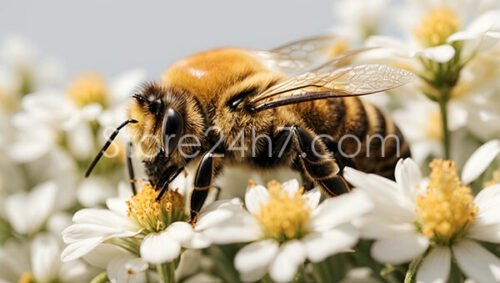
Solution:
(205, 172)
(316, 163)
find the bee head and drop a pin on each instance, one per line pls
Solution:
(166, 117)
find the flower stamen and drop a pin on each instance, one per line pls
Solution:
(446, 208)
(88, 88)
(437, 26)
(285, 216)
(152, 215)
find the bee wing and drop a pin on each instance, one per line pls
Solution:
(297, 56)
(344, 82)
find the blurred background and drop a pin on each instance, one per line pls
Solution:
(112, 36)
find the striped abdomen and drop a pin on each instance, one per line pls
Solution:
(359, 132)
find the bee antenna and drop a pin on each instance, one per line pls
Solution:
(106, 145)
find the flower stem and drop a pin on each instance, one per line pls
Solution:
(100, 278)
(166, 272)
(443, 107)
(411, 274)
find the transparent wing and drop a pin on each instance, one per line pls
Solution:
(343, 82)
(297, 56)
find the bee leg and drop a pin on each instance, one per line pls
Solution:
(202, 183)
(318, 164)
(130, 168)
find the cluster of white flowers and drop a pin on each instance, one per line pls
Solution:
(432, 224)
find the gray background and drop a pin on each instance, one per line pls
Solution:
(113, 36)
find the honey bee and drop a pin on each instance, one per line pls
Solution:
(286, 107)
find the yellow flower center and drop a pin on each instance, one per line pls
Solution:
(446, 208)
(437, 26)
(152, 215)
(26, 277)
(88, 88)
(434, 127)
(340, 46)
(284, 216)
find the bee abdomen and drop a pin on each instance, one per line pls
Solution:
(367, 136)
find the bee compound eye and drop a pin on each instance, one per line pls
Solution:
(172, 129)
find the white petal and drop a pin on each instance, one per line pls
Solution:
(487, 201)
(27, 212)
(312, 198)
(255, 256)
(58, 222)
(239, 229)
(103, 254)
(126, 269)
(77, 232)
(435, 267)
(181, 232)
(377, 227)
(80, 248)
(74, 271)
(339, 210)
(385, 195)
(117, 205)
(45, 260)
(218, 212)
(408, 177)
(394, 45)
(401, 249)
(159, 248)
(486, 225)
(484, 232)
(476, 262)
(441, 54)
(255, 197)
(480, 160)
(104, 217)
(321, 245)
(81, 141)
(198, 241)
(291, 187)
(287, 261)
(478, 27)
(94, 191)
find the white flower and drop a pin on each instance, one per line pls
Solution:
(475, 99)
(438, 29)
(31, 74)
(408, 218)
(39, 262)
(156, 230)
(285, 227)
(48, 116)
(94, 191)
(27, 212)
(92, 227)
